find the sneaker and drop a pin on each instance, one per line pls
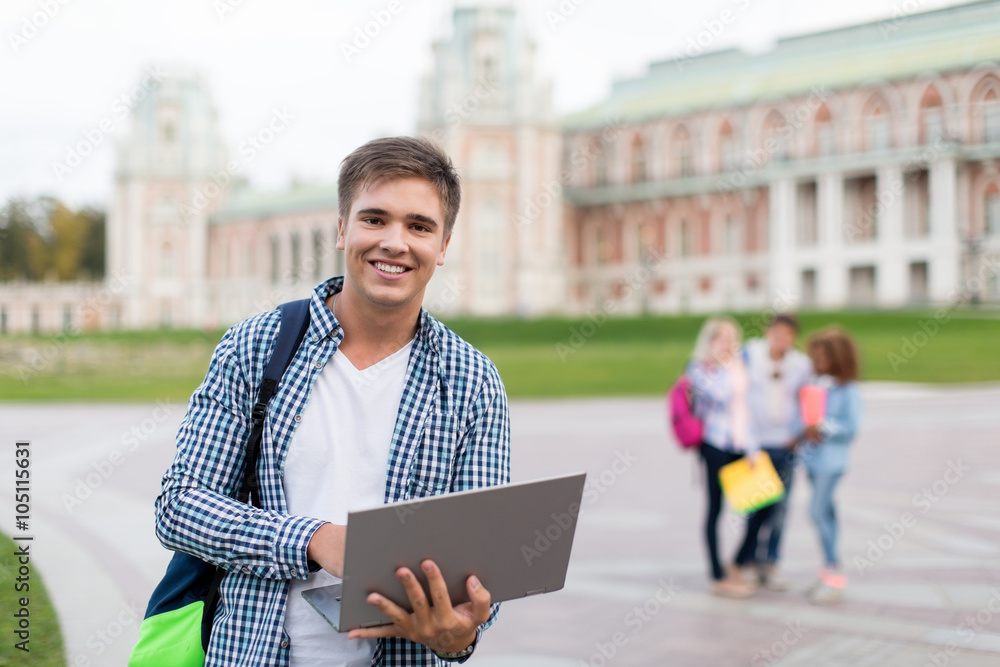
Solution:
(830, 588)
(744, 576)
(771, 579)
(730, 588)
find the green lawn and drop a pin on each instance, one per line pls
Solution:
(45, 641)
(537, 358)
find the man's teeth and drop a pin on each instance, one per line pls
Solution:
(389, 268)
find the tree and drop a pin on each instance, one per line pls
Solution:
(43, 238)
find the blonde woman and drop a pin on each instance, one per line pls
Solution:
(719, 379)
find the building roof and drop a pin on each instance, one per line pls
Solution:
(943, 40)
(247, 204)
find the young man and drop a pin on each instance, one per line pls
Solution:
(381, 403)
(776, 372)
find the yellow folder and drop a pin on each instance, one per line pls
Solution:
(749, 488)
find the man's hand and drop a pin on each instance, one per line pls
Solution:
(441, 627)
(326, 547)
(813, 433)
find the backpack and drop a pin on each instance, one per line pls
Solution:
(178, 622)
(680, 408)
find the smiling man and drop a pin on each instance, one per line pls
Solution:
(381, 403)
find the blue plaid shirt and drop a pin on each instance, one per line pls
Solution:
(452, 434)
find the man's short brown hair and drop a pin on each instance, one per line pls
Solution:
(400, 157)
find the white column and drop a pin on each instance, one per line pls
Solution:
(831, 278)
(783, 279)
(944, 262)
(891, 271)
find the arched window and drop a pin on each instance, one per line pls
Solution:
(824, 133)
(687, 239)
(775, 136)
(877, 127)
(597, 149)
(985, 110)
(638, 160)
(931, 117)
(682, 152)
(728, 148)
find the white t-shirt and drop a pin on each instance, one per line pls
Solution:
(774, 391)
(337, 463)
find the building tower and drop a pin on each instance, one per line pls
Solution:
(485, 104)
(163, 196)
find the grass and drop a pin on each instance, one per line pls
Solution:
(537, 358)
(45, 641)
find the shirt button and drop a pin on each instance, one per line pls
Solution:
(246, 569)
(298, 418)
(319, 365)
(284, 643)
(293, 571)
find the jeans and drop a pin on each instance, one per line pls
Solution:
(770, 518)
(714, 459)
(824, 514)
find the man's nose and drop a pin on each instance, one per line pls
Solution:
(393, 239)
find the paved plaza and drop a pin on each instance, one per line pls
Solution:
(920, 516)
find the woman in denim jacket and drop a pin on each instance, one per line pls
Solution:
(825, 454)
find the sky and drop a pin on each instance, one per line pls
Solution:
(65, 65)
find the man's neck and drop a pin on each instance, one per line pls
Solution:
(372, 333)
(775, 354)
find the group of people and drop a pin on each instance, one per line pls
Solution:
(747, 397)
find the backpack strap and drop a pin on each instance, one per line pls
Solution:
(292, 329)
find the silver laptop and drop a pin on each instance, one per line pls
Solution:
(516, 538)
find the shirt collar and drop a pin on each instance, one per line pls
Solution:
(325, 323)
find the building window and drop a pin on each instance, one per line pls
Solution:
(686, 249)
(318, 254)
(638, 160)
(3, 321)
(67, 317)
(275, 259)
(36, 320)
(809, 287)
(732, 233)
(992, 210)
(600, 163)
(877, 126)
(826, 138)
(807, 219)
(775, 137)
(683, 152)
(296, 251)
(728, 149)
(917, 204)
(862, 209)
(931, 117)
(991, 120)
(861, 285)
(918, 282)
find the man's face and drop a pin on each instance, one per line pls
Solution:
(780, 337)
(392, 240)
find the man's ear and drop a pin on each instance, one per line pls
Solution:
(444, 249)
(341, 231)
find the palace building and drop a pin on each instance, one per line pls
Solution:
(856, 167)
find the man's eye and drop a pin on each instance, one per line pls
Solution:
(420, 228)
(372, 221)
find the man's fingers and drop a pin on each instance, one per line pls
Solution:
(374, 633)
(480, 599)
(414, 591)
(439, 589)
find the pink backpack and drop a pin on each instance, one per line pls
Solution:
(680, 408)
